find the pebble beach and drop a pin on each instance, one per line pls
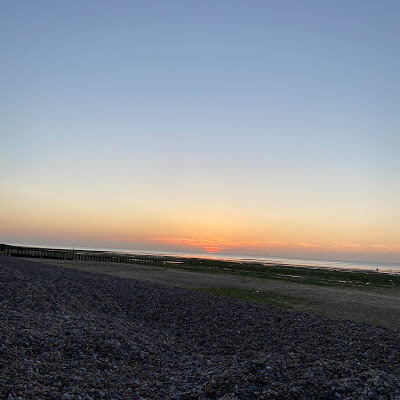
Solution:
(67, 334)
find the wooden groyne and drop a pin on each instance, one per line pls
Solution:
(77, 255)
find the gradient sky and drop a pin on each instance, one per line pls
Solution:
(230, 126)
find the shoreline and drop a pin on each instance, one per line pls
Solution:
(384, 270)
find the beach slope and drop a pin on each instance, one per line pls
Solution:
(68, 334)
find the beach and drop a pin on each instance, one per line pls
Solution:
(360, 296)
(69, 334)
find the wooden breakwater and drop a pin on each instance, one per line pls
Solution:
(78, 255)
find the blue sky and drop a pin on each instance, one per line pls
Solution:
(236, 111)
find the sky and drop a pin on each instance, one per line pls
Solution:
(237, 127)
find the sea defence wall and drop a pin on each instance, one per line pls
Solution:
(79, 255)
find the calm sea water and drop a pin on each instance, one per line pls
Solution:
(383, 267)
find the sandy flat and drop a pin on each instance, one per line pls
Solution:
(377, 308)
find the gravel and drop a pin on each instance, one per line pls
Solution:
(66, 334)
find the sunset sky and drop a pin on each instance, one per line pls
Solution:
(206, 126)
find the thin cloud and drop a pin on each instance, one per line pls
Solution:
(346, 244)
(389, 247)
(306, 244)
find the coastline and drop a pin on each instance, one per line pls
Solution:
(286, 262)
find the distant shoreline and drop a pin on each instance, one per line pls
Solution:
(394, 269)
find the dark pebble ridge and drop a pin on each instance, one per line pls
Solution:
(66, 334)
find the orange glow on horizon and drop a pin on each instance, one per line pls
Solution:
(219, 244)
(65, 222)
(211, 249)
